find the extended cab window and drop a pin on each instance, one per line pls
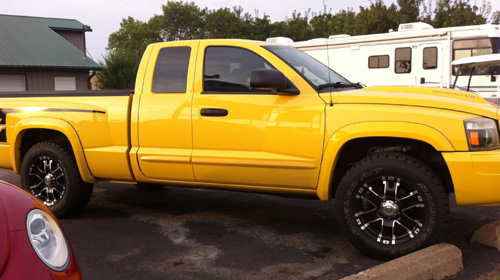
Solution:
(228, 69)
(171, 70)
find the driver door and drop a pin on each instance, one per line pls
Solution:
(248, 137)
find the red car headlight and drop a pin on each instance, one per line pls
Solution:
(47, 240)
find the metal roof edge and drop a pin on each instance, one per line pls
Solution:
(98, 68)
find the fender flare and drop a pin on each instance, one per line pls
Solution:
(413, 131)
(47, 123)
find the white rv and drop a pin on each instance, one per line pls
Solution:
(416, 55)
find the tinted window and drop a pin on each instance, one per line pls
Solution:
(228, 69)
(171, 70)
(378, 61)
(496, 45)
(402, 62)
(430, 58)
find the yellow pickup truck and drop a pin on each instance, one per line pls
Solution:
(252, 116)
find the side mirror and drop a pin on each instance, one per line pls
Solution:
(271, 79)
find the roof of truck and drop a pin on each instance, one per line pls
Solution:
(34, 42)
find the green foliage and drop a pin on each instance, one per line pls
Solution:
(185, 20)
(182, 21)
(119, 71)
(134, 35)
(449, 13)
(378, 18)
(495, 18)
(125, 49)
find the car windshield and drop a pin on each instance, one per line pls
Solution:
(316, 73)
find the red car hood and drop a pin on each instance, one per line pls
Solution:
(4, 238)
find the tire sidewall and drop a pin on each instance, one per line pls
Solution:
(58, 155)
(421, 179)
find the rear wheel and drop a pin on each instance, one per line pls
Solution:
(389, 205)
(50, 173)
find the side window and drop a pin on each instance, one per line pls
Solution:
(402, 61)
(378, 61)
(171, 70)
(467, 48)
(228, 69)
(430, 60)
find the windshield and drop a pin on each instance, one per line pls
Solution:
(315, 72)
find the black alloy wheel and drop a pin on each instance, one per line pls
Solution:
(389, 205)
(49, 172)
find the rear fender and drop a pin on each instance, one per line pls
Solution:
(59, 125)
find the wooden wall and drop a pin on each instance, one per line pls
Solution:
(77, 39)
(40, 79)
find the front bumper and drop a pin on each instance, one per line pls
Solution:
(476, 177)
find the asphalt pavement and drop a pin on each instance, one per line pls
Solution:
(190, 233)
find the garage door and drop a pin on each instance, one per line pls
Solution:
(12, 83)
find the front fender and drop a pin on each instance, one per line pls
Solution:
(48, 123)
(343, 135)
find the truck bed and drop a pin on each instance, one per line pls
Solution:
(100, 121)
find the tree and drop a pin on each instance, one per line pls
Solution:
(185, 20)
(125, 49)
(260, 28)
(409, 11)
(119, 71)
(377, 19)
(297, 27)
(450, 13)
(182, 21)
(134, 35)
(495, 18)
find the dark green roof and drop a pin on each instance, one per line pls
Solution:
(32, 42)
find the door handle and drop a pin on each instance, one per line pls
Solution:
(214, 112)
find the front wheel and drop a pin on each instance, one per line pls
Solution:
(389, 205)
(50, 174)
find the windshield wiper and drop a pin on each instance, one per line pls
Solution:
(339, 85)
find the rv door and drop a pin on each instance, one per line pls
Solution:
(429, 65)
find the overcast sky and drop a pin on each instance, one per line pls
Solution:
(104, 16)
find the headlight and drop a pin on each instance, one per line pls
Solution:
(47, 240)
(482, 134)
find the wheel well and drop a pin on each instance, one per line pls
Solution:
(34, 136)
(357, 149)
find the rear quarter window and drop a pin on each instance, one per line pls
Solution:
(171, 70)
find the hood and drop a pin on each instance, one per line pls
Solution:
(420, 97)
(4, 237)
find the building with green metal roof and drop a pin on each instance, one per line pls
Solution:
(43, 54)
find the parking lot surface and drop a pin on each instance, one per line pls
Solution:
(185, 233)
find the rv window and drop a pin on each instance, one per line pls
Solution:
(378, 61)
(402, 61)
(467, 48)
(430, 58)
(472, 44)
(496, 45)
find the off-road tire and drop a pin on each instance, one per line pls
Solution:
(391, 204)
(50, 173)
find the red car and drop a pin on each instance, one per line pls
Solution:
(32, 242)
